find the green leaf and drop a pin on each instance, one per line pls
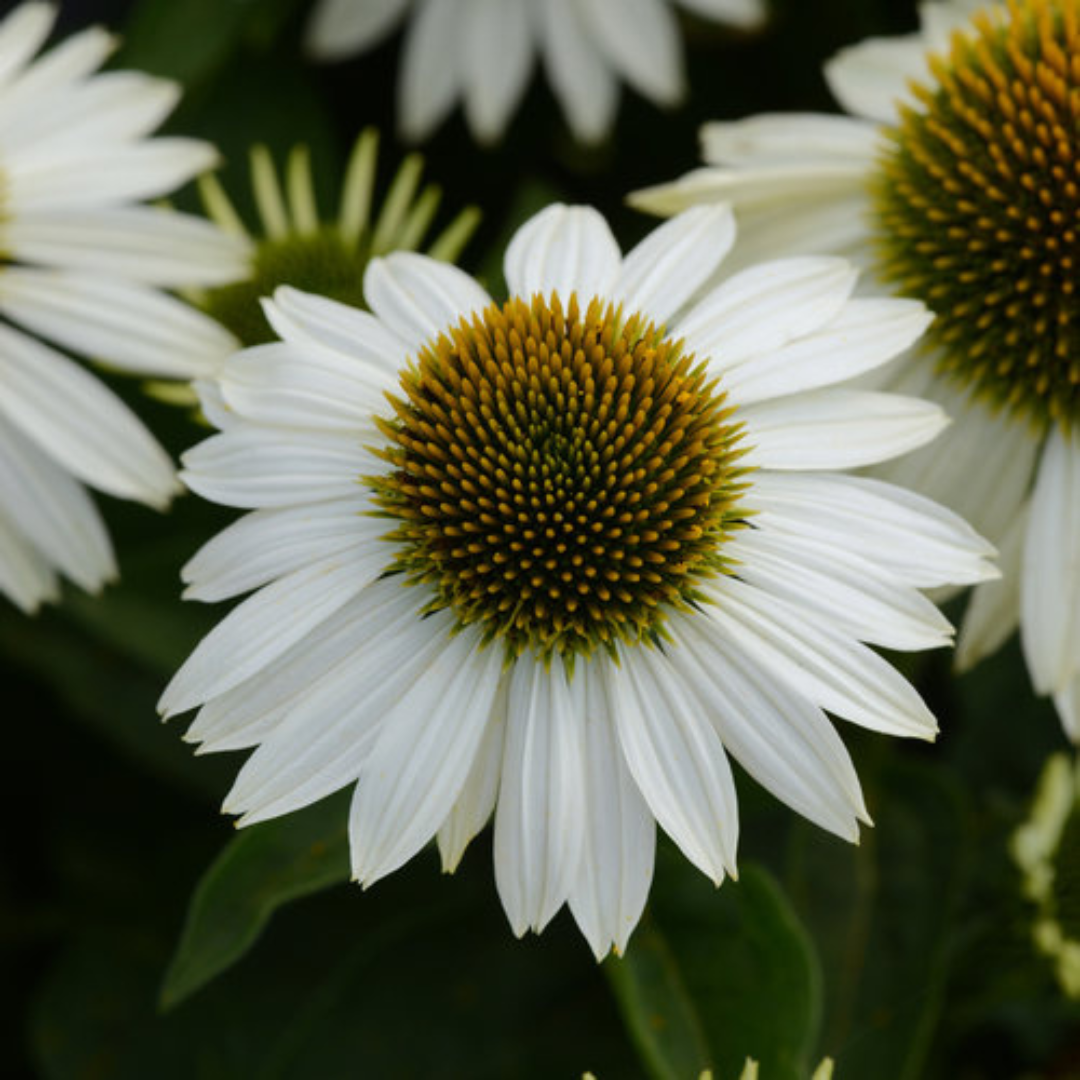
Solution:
(713, 977)
(259, 870)
(662, 1019)
(884, 917)
(190, 41)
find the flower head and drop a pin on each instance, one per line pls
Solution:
(957, 182)
(82, 267)
(483, 53)
(555, 557)
(298, 247)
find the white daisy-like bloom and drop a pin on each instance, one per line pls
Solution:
(481, 52)
(556, 558)
(82, 267)
(956, 181)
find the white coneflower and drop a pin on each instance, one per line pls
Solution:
(557, 557)
(82, 267)
(962, 190)
(482, 52)
(298, 246)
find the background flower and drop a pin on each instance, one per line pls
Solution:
(83, 267)
(932, 205)
(482, 52)
(298, 246)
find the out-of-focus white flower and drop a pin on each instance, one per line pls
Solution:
(556, 558)
(82, 267)
(481, 52)
(962, 190)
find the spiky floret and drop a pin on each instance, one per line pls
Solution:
(299, 248)
(561, 477)
(978, 207)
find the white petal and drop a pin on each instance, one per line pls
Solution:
(79, 423)
(661, 274)
(917, 540)
(981, 466)
(54, 512)
(23, 31)
(476, 800)
(303, 387)
(26, 578)
(116, 174)
(249, 467)
(844, 589)
(761, 187)
(676, 759)
(305, 319)
(775, 221)
(141, 243)
(498, 57)
(322, 744)
(939, 20)
(1050, 575)
(117, 107)
(620, 838)
(833, 671)
(340, 28)
(423, 755)
(767, 307)
(586, 88)
(212, 404)
(309, 669)
(863, 336)
(272, 543)
(870, 78)
(794, 139)
(419, 298)
(742, 13)
(777, 735)
(538, 835)
(254, 634)
(640, 39)
(1067, 703)
(131, 326)
(432, 69)
(563, 249)
(836, 429)
(994, 610)
(72, 59)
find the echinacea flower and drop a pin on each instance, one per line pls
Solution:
(482, 52)
(554, 558)
(298, 246)
(82, 267)
(961, 189)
